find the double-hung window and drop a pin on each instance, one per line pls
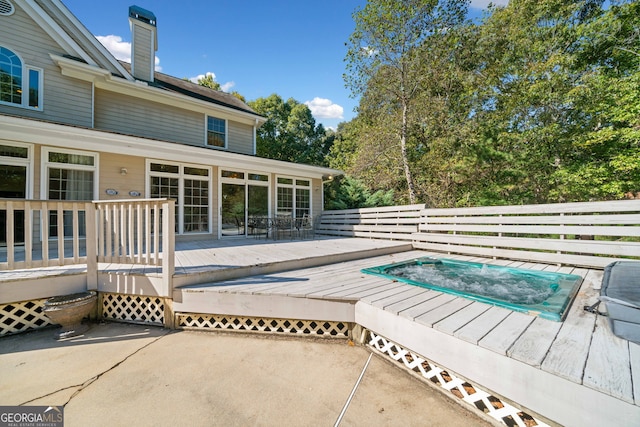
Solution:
(20, 84)
(216, 132)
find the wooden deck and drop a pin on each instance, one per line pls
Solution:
(574, 372)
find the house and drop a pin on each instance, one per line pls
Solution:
(77, 124)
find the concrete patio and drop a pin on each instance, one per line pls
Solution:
(123, 374)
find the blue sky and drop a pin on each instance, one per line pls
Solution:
(294, 48)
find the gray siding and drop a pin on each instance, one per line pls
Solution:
(135, 116)
(240, 138)
(77, 36)
(143, 62)
(65, 100)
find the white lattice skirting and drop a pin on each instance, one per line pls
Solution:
(22, 316)
(471, 394)
(133, 308)
(318, 328)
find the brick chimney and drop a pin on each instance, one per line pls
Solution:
(144, 43)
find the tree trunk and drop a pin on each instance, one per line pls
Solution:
(405, 159)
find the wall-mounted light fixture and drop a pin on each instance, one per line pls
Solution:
(111, 192)
(123, 171)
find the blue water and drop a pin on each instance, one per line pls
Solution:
(536, 292)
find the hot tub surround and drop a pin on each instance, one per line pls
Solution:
(541, 293)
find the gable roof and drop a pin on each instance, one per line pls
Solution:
(65, 28)
(194, 90)
(61, 25)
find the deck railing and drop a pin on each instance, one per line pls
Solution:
(591, 234)
(39, 233)
(140, 232)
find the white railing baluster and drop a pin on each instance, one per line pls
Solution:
(60, 225)
(148, 232)
(139, 236)
(28, 234)
(44, 232)
(156, 234)
(10, 243)
(76, 233)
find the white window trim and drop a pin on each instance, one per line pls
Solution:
(295, 186)
(206, 132)
(18, 161)
(45, 164)
(25, 84)
(40, 87)
(181, 177)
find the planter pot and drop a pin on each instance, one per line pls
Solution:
(69, 310)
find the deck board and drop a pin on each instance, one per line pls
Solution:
(501, 338)
(568, 353)
(634, 357)
(461, 318)
(407, 292)
(443, 311)
(426, 306)
(482, 325)
(402, 305)
(534, 343)
(608, 367)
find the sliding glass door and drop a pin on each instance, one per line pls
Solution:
(233, 210)
(244, 198)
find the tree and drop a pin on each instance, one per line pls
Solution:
(348, 193)
(290, 133)
(383, 57)
(209, 81)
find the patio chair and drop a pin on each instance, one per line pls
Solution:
(282, 224)
(305, 226)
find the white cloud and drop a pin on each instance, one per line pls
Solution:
(482, 4)
(323, 108)
(121, 49)
(118, 48)
(226, 87)
(202, 76)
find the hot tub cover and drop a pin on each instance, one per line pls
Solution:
(621, 294)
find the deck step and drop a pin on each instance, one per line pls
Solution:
(212, 274)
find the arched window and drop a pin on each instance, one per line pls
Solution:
(16, 78)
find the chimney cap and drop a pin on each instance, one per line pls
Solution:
(144, 15)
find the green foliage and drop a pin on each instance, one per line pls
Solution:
(539, 102)
(384, 66)
(209, 81)
(290, 133)
(349, 193)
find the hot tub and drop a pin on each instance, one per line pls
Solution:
(540, 293)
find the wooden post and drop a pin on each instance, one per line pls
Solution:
(168, 246)
(92, 244)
